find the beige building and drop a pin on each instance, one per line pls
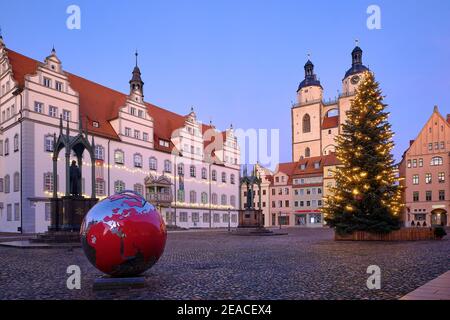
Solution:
(316, 123)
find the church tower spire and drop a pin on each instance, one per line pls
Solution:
(136, 83)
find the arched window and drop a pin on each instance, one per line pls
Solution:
(307, 153)
(153, 163)
(139, 188)
(181, 169)
(167, 166)
(224, 177)
(214, 175)
(233, 201)
(119, 186)
(99, 152)
(16, 143)
(7, 184)
(16, 184)
(137, 159)
(214, 198)
(437, 161)
(204, 198)
(306, 123)
(119, 157)
(232, 179)
(193, 171)
(6, 147)
(204, 174)
(223, 200)
(192, 197)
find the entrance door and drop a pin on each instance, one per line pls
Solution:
(439, 217)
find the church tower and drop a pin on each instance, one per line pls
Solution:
(351, 81)
(306, 116)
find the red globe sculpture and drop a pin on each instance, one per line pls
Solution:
(123, 235)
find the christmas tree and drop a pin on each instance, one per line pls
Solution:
(367, 196)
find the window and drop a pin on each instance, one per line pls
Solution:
(119, 157)
(204, 174)
(137, 134)
(214, 175)
(180, 195)
(145, 136)
(164, 143)
(38, 107)
(416, 196)
(316, 165)
(140, 113)
(119, 186)
(415, 179)
(100, 187)
(214, 198)
(441, 177)
(47, 211)
(139, 188)
(6, 147)
(16, 143)
(59, 86)
(233, 201)
(224, 177)
(306, 123)
(195, 217)
(2, 184)
(53, 111)
(441, 195)
(153, 164)
(409, 164)
(437, 161)
(232, 179)
(47, 82)
(1, 147)
(286, 203)
(429, 196)
(128, 132)
(16, 212)
(286, 191)
(192, 197)
(133, 111)
(9, 212)
(319, 190)
(137, 159)
(223, 200)
(428, 178)
(181, 169)
(99, 152)
(420, 162)
(206, 217)
(204, 198)
(225, 217)
(48, 143)
(436, 145)
(167, 166)
(48, 182)
(216, 218)
(307, 153)
(415, 163)
(66, 115)
(95, 124)
(183, 217)
(7, 184)
(192, 171)
(16, 182)
(430, 147)
(442, 145)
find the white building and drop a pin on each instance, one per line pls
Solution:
(188, 169)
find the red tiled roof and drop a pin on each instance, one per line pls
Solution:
(102, 104)
(330, 122)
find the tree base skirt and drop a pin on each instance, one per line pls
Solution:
(405, 234)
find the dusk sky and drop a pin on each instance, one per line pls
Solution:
(240, 62)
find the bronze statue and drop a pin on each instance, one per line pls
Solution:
(75, 177)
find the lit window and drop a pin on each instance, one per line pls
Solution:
(441, 177)
(428, 179)
(415, 179)
(437, 161)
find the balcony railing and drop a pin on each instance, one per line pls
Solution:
(159, 198)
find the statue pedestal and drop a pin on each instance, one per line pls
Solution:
(67, 214)
(250, 218)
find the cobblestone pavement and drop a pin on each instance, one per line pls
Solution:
(306, 264)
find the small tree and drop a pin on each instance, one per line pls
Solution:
(367, 196)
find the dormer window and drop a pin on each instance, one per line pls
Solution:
(164, 143)
(302, 167)
(316, 165)
(95, 124)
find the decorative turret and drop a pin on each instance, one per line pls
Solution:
(357, 64)
(310, 77)
(136, 83)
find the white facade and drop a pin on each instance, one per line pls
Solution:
(130, 149)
